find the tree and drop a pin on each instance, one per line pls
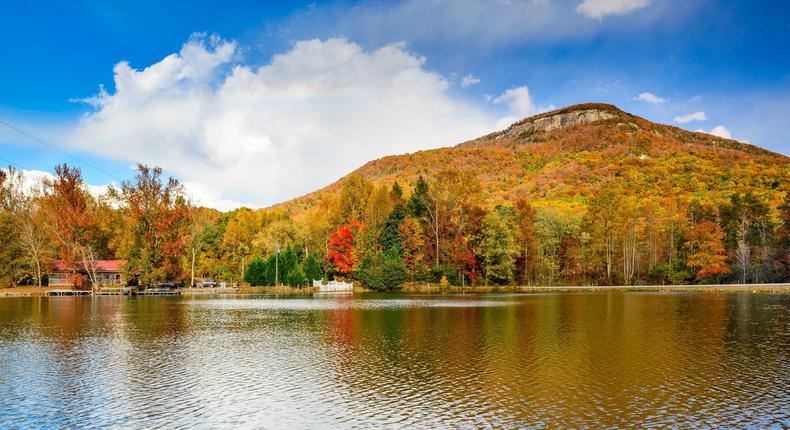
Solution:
(256, 273)
(389, 240)
(156, 213)
(312, 269)
(341, 247)
(419, 200)
(499, 248)
(70, 219)
(411, 237)
(706, 249)
(11, 253)
(33, 237)
(199, 230)
(525, 218)
(296, 276)
(353, 200)
(382, 272)
(599, 222)
(783, 241)
(450, 194)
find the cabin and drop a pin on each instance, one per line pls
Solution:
(108, 272)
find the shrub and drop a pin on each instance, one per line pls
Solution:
(382, 272)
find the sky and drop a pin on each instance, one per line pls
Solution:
(254, 103)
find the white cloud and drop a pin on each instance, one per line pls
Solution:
(602, 8)
(32, 181)
(650, 98)
(519, 103)
(469, 80)
(719, 130)
(696, 116)
(236, 134)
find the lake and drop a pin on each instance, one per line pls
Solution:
(595, 360)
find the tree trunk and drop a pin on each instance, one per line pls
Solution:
(192, 283)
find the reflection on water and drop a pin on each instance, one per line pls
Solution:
(554, 360)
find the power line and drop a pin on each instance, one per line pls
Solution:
(11, 163)
(58, 150)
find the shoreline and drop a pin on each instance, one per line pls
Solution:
(426, 288)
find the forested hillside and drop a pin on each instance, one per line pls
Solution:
(583, 195)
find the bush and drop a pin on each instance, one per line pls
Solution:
(382, 272)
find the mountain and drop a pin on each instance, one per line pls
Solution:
(563, 157)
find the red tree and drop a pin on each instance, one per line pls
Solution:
(341, 247)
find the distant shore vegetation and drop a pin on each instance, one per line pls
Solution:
(439, 229)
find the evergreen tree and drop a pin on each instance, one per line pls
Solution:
(256, 273)
(296, 277)
(389, 240)
(312, 269)
(419, 200)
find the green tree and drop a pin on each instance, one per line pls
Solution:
(256, 273)
(296, 277)
(389, 240)
(312, 269)
(498, 247)
(382, 272)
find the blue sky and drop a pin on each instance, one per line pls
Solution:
(260, 94)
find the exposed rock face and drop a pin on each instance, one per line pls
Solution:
(555, 121)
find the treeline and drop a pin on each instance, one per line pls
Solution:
(441, 230)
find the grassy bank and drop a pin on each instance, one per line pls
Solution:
(431, 288)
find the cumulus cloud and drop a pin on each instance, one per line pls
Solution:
(469, 80)
(719, 130)
(519, 103)
(32, 180)
(696, 116)
(239, 134)
(650, 98)
(601, 8)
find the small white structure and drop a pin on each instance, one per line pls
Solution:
(333, 286)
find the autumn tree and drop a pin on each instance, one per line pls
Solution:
(706, 251)
(156, 213)
(450, 194)
(525, 218)
(70, 218)
(783, 241)
(353, 200)
(599, 222)
(199, 230)
(341, 247)
(411, 238)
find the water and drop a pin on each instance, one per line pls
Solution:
(596, 360)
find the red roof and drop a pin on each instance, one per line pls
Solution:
(99, 265)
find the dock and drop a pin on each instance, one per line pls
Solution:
(125, 291)
(157, 292)
(121, 291)
(69, 293)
